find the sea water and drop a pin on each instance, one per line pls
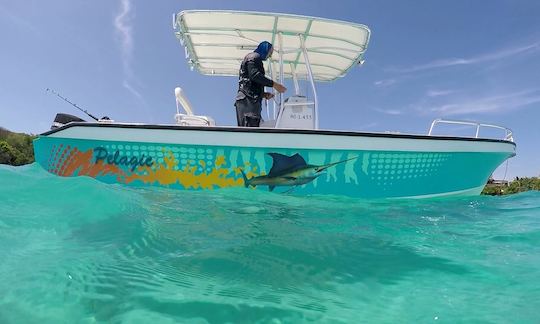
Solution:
(74, 250)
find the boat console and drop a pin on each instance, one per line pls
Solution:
(297, 113)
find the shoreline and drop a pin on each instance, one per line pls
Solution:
(517, 185)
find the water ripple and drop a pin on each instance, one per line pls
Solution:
(76, 250)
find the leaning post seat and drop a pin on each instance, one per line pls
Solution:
(192, 120)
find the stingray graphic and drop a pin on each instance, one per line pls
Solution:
(289, 171)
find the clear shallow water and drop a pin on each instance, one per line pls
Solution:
(77, 250)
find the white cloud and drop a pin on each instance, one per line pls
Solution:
(487, 57)
(489, 104)
(439, 93)
(128, 86)
(124, 30)
(122, 24)
(385, 83)
(389, 111)
(18, 20)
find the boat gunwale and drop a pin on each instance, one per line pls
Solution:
(275, 131)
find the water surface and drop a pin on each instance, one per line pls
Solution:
(77, 250)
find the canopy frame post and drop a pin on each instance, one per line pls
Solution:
(311, 80)
(281, 72)
(295, 80)
(272, 75)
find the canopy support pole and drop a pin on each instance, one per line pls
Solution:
(272, 75)
(312, 81)
(295, 80)
(281, 77)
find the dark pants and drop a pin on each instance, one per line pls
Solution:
(248, 112)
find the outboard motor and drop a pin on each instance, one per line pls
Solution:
(62, 119)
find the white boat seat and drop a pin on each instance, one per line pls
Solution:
(192, 120)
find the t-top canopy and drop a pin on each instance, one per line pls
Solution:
(217, 41)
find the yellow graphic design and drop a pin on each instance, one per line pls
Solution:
(167, 173)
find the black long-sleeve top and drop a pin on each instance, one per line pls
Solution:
(252, 81)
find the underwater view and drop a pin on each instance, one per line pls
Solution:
(75, 250)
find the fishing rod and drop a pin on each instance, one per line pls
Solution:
(73, 104)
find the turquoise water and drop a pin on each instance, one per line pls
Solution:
(74, 250)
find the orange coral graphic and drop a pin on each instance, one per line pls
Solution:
(74, 162)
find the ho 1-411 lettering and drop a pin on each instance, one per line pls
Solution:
(300, 116)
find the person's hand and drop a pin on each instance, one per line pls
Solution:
(268, 95)
(279, 87)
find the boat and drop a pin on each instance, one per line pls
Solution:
(289, 153)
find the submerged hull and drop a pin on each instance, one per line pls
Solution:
(365, 165)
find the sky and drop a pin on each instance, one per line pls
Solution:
(465, 60)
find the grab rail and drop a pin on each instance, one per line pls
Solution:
(507, 136)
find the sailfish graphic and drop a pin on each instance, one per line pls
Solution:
(289, 171)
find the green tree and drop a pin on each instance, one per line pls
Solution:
(15, 148)
(515, 186)
(8, 155)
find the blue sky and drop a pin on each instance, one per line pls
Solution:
(469, 60)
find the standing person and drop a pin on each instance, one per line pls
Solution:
(251, 86)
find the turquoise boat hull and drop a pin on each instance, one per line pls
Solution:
(363, 165)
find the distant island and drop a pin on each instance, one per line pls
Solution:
(498, 188)
(16, 149)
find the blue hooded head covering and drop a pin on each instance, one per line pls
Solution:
(263, 49)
